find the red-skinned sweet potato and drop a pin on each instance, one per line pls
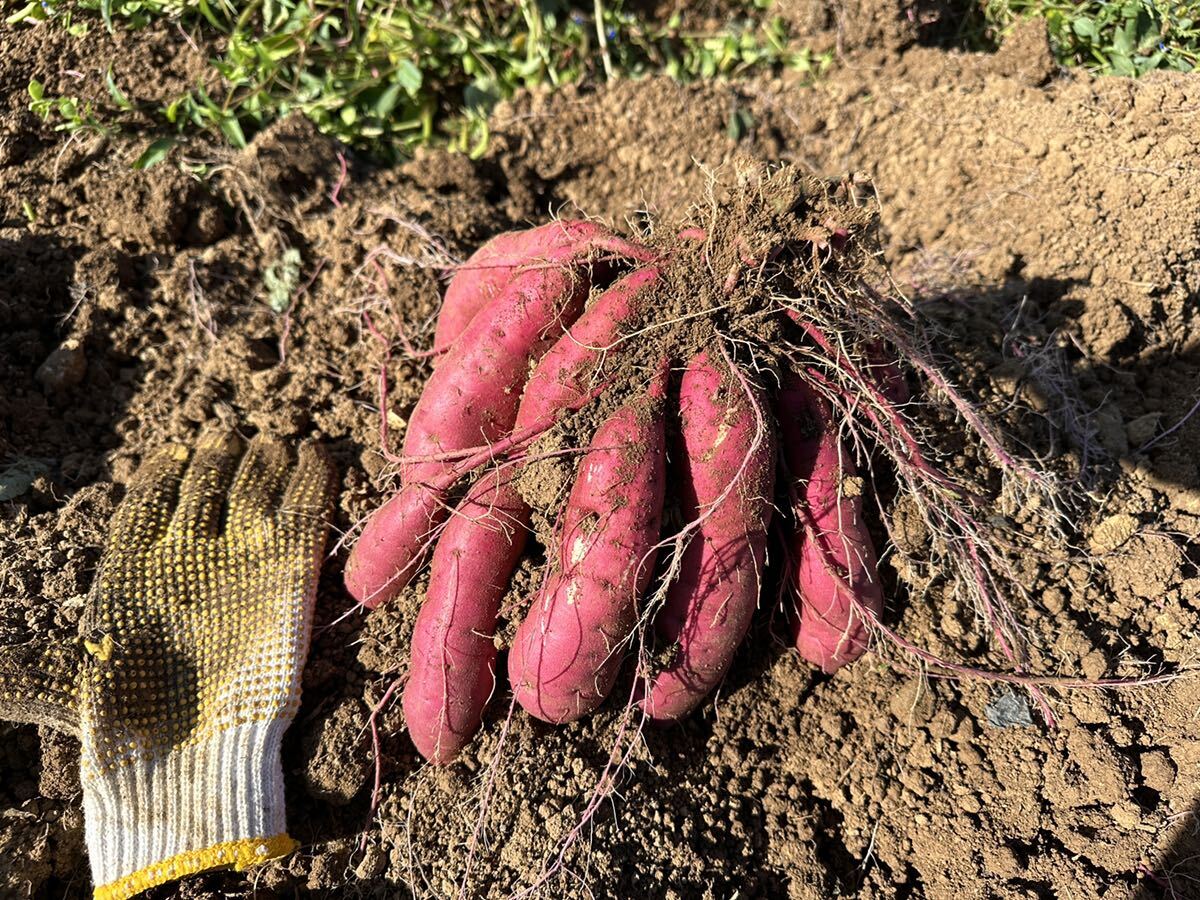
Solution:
(453, 650)
(563, 375)
(471, 399)
(566, 654)
(449, 685)
(836, 575)
(490, 268)
(725, 472)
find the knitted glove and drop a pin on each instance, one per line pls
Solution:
(187, 668)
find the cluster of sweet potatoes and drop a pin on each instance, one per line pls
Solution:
(525, 333)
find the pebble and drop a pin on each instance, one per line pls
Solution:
(64, 367)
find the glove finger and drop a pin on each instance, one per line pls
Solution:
(144, 514)
(258, 486)
(206, 484)
(310, 493)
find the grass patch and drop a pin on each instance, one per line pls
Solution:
(388, 77)
(1122, 38)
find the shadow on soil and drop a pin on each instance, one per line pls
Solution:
(1177, 876)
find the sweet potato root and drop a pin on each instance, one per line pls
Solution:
(453, 652)
(780, 282)
(564, 374)
(471, 399)
(451, 677)
(493, 266)
(725, 475)
(392, 544)
(566, 655)
(836, 575)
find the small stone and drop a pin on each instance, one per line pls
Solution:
(1009, 710)
(64, 368)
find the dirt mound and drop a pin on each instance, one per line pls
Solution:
(1045, 222)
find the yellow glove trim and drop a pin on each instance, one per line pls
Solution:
(240, 855)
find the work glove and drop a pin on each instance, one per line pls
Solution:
(186, 669)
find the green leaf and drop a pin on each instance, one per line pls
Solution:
(279, 47)
(206, 11)
(482, 137)
(387, 99)
(232, 129)
(408, 76)
(1084, 27)
(1150, 63)
(115, 92)
(154, 154)
(33, 11)
(37, 90)
(1125, 38)
(1121, 64)
(106, 15)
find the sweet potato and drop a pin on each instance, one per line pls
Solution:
(453, 652)
(566, 655)
(490, 268)
(563, 374)
(471, 399)
(392, 544)
(451, 677)
(725, 478)
(836, 575)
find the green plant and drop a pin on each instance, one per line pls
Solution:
(387, 77)
(71, 113)
(1124, 38)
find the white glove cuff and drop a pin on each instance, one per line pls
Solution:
(218, 802)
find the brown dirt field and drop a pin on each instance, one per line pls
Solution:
(1029, 208)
